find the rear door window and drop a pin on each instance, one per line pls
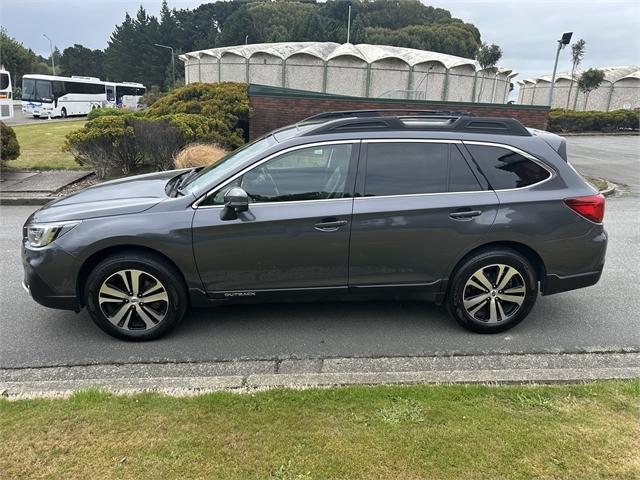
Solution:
(408, 168)
(506, 169)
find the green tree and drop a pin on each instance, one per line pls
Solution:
(488, 56)
(121, 53)
(588, 81)
(577, 54)
(18, 60)
(80, 60)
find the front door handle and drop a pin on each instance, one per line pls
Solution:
(464, 214)
(329, 224)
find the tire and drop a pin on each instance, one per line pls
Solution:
(500, 288)
(122, 313)
(63, 113)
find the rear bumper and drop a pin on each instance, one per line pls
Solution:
(557, 284)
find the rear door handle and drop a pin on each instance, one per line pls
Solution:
(329, 224)
(464, 214)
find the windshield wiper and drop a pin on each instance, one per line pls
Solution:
(177, 187)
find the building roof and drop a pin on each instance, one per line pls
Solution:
(611, 74)
(326, 51)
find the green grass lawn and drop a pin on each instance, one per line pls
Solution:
(41, 143)
(584, 431)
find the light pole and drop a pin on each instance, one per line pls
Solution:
(173, 62)
(53, 63)
(564, 41)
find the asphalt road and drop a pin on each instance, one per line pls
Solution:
(616, 158)
(601, 318)
(21, 118)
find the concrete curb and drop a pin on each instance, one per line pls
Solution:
(38, 199)
(13, 201)
(610, 190)
(596, 134)
(181, 379)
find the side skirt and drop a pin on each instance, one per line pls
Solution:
(431, 292)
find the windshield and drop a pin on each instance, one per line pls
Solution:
(218, 170)
(36, 90)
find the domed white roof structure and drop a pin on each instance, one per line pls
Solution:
(619, 89)
(360, 70)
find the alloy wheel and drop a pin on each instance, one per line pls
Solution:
(133, 300)
(494, 293)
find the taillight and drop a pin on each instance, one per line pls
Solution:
(591, 207)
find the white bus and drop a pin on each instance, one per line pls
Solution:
(6, 96)
(125, 94)
(51, 96)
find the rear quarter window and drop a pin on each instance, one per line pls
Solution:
(505, 169)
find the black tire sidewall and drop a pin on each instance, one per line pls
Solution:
(63, 113)
(506, 257)
(160, 270)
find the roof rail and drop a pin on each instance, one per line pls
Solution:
(385, 112)
(374, 120)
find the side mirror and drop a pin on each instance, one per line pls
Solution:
(235, 200)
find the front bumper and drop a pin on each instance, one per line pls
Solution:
(49, 277)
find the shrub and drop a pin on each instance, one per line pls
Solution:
(109, 112)
(593, 121)
(10, 149)
(226, 106)
(124, 140)
(105, 143)
(158, 141)
(152, 95)
(199, 155)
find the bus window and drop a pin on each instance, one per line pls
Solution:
(111, 96)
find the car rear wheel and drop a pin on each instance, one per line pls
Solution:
(135, 296)
(492, 291)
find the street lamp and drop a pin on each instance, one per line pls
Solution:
(173, 62)
(564, 41)
(53, 64)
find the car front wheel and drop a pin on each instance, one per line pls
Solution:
(492, 291)
(135, 296)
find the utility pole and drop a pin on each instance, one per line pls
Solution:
(349, 24)
(563, 42)
(53, 63)
(173, 62)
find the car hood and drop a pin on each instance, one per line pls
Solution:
(117, 197)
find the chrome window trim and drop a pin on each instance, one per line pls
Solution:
(405, 195)
(196, 204)
(288, 202)
(410, 140)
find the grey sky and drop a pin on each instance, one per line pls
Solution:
(526, 30)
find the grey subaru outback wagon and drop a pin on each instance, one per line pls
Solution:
(481, 214)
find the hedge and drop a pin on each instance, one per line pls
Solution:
(593, 121)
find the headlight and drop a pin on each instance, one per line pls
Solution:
(42, 234)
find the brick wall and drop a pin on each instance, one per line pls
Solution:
(276, 107)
